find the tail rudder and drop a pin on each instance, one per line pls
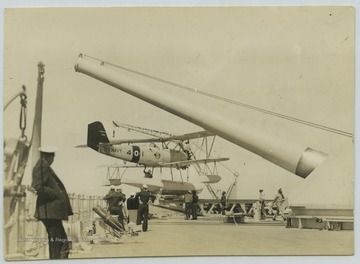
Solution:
(96, 135)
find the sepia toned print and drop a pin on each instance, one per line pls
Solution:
(178, 131)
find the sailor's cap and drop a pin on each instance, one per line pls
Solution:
(144, 186)
(48, 149)
(132, 194)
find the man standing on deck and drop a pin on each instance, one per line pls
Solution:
(121, 203)
(144, 197)
(223, 202)
(109, 195)
(262, 203)
(188, 203)
(115, 200)
(279, 202)
(53, 204)
(195, 199)
(132, 205)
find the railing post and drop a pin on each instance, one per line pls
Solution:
(21, 221)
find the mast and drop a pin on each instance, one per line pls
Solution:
(36, 133)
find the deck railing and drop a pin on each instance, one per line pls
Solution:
(25, 237)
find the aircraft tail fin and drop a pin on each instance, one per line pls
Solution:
(96, 135)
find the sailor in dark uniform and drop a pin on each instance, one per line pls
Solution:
(195, 199)
(53, 204)
(115, 202)
(144, 197)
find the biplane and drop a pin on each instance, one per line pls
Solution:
(174, 152)
(149, 154)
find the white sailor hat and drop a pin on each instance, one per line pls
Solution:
(144, 186)
(48, 149)
(132, 194)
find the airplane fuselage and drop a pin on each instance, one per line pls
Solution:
(147, 155)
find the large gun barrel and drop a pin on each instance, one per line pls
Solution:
(299, 160)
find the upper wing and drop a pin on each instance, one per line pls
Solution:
(188, 136)
(190, 162)
(129, 141)
(193, 135)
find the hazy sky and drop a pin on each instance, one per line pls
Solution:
(296, 61)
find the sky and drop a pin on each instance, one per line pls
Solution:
(277, 58)
(294, 61)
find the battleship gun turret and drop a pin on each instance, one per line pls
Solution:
(300, 160)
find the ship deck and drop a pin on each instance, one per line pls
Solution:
(170, 235)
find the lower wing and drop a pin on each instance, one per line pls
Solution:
(191, 162)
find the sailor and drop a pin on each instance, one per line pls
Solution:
(53, 204)
(262, 203)
(279, 202)
(223, 202)
(110, 193)
(195, 199)
(115, 200)
(109, 196)
(132, 205)
(144, 197)
(188, 203)
(122, 197)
